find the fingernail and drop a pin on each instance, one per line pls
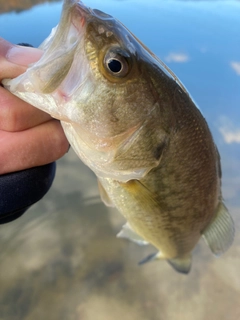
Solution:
(23, 55)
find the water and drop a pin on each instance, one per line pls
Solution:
(61, 260)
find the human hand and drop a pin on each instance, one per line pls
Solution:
(30, 140)
(28, 136)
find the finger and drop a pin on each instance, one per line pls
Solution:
(34, 147)
(17, 115)
(14, 59)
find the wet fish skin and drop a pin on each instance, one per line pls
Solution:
(137, 129)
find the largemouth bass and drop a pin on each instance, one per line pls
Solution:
(130, 119)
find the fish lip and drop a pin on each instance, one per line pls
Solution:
(82, 7)
(78, 14)
(80, 10)
(89, 12)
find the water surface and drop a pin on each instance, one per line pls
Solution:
(61, 260)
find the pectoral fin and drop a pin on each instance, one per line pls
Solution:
(128, 233)
(219, 234)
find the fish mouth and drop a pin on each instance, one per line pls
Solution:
(63, 73)
(70, 28)
(66, 44)
(63, 66)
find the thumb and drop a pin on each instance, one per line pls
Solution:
(14, 59)
(20, 55)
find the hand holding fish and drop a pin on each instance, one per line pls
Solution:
(29, 137)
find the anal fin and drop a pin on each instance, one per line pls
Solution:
(182, 265)
(219, 234)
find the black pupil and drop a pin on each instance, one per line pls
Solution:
(114, 65)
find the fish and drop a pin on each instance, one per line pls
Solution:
(133, 123)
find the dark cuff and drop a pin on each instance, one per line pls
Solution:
(19, 190)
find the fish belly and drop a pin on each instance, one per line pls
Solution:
(144, 215)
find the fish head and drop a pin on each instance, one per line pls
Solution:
(99, 80)
(90, 72)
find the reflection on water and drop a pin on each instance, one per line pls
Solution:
(61, 260)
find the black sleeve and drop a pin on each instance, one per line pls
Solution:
(19, 190)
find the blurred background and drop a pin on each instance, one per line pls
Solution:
(61, 260)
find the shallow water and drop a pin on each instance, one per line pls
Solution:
(61, 260)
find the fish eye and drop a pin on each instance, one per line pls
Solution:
(116, 63)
